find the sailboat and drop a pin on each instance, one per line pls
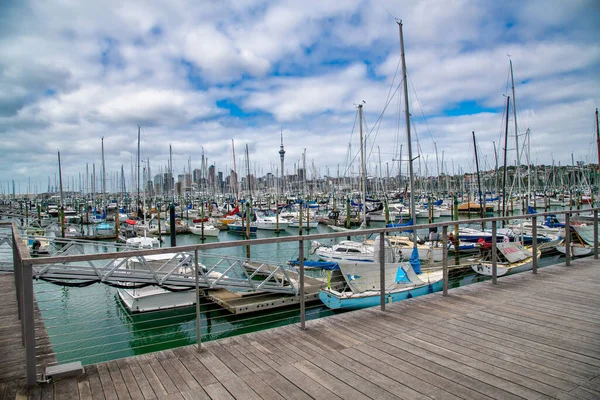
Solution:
(404, 280)
(511, 257)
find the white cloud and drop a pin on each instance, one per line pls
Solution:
(71, 73)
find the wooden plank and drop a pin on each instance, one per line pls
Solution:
(66, 389)
(403, 373)
(236, 366)
(261, 387)
(329, 381)
(107, 385)
(182, 371)
(91, 371)
(505, 379)
(583, 393)
(308, 385)
(163, 359)
(216, 391)
(196, 368)
(239, 389)
(130, 383)
(487, 346)
(216, 367)
(83, 385)
(525, 345)
(447, 342)
(380, 389)
(117, 380)
(155, 373)
(543, 335)
(561, 321)
(139, 377)
(195, 394)
(432, 364)
(285, 388)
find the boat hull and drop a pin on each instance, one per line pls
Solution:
(576, 251)
(153, 298)
(372, 299)
(486, 269)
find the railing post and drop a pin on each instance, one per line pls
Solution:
(301, 279)
(567, 239)
(445, 258)
(29, 322)
(534, 249)
(596, 234)
(198, 331)
(494, 258)
(18, 279)
(382, 270)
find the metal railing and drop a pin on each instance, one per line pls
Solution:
(25, 266)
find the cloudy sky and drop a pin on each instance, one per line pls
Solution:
(197, 74)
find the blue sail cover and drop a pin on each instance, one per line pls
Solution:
(414, 260)
(328, 265)
(530, 210)
(401, 276)
(392, 225)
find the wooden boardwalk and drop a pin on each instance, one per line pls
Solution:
(533, 337)
(12, 352)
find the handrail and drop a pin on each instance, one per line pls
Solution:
(286, 239)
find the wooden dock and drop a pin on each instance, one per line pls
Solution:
(530, 336)
(12, 352)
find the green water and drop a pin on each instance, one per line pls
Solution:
(91, 325)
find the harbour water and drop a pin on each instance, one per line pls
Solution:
(90, 324)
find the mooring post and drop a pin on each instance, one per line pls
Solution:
(198, 326)
(494, 249)
(567, 239)
(301, 283)
(172, 227)
(445, 258)
(382, 270)
(534, 261)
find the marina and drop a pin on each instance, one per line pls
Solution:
(412, 212)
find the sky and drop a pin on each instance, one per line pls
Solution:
(195, 75)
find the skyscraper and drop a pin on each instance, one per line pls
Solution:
(281, 156)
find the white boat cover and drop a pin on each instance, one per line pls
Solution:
(514, 252)
(364, 276)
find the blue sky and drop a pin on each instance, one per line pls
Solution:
(198, 74)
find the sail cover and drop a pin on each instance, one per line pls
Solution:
(586, 233)
(514, 252)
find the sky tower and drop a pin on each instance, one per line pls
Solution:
(281, 156)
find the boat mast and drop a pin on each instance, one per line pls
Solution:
(362, 168)
(598, 144)
(62, 209)
(235, 187)
(104, 211)
(505, 165)
(481, 207)
(407, 117)
(512, 80)
(138, 175)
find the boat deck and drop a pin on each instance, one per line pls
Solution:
(530, 336)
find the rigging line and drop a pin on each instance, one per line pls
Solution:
(348, 162)
(420, 105)
(388, 100)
